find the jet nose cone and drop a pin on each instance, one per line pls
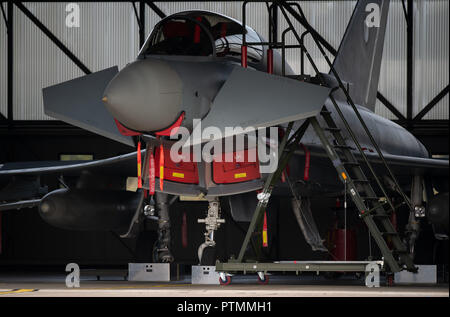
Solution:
(145, 96)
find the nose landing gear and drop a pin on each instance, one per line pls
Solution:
(207, 250)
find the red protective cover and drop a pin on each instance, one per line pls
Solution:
(125, 131)
(235, 172)
(173, 129)
(182, 172)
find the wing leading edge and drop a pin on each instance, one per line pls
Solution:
(79, 102)
(253, 99)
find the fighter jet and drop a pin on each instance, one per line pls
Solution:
(200, 70)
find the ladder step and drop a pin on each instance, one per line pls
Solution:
(376, 216)
(390, 233)
(340, 146)
(399, 252)
(370, 198)
(362, 181)
(351, 163)
(380, 216)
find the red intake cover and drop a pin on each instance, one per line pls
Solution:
(173, 129)
(235, 172)
(125, 131)
(182, 172)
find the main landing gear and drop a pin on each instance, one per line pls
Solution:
(161, 250)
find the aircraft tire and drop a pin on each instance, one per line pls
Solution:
(144, 246)
(208, 256)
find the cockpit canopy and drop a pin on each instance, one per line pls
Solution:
(201, 33)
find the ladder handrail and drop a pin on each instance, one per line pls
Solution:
(342, 87)
(363, 195)
(355, 140)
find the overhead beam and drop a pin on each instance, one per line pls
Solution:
(140, 18)
(133, 4)
(432, 103)
(390, 107)
(4, 14)
(275, 23)
(142, 23)
(52, 37)
(155, 8)
(404, 11)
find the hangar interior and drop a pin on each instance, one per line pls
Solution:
(38, 49)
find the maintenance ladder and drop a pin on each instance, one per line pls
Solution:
(374, 213)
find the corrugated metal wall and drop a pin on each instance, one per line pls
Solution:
(431, 51)
(108, 36)
(3, 67)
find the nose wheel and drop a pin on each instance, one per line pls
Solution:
(207, 254)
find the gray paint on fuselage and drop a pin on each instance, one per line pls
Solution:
(202, 78)
(390, 137)
(206, 75)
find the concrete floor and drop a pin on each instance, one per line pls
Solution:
(43, 285)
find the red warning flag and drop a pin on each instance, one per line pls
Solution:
(139, 165)
(264, 232)
(307, 162)
(151, 173)
(184, 236)
(161, 167)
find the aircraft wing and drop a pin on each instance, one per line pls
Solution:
(125, 165)
(79, 102)
(400, 165)
(254, 99)
(121, 164)
(20, 185)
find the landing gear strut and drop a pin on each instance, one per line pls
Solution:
(413, 226)
(161, 250)
(207, 250)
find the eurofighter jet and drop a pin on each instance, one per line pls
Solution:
(198, 70)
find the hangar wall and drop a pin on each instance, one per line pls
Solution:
(3, 72)
(108, 35)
